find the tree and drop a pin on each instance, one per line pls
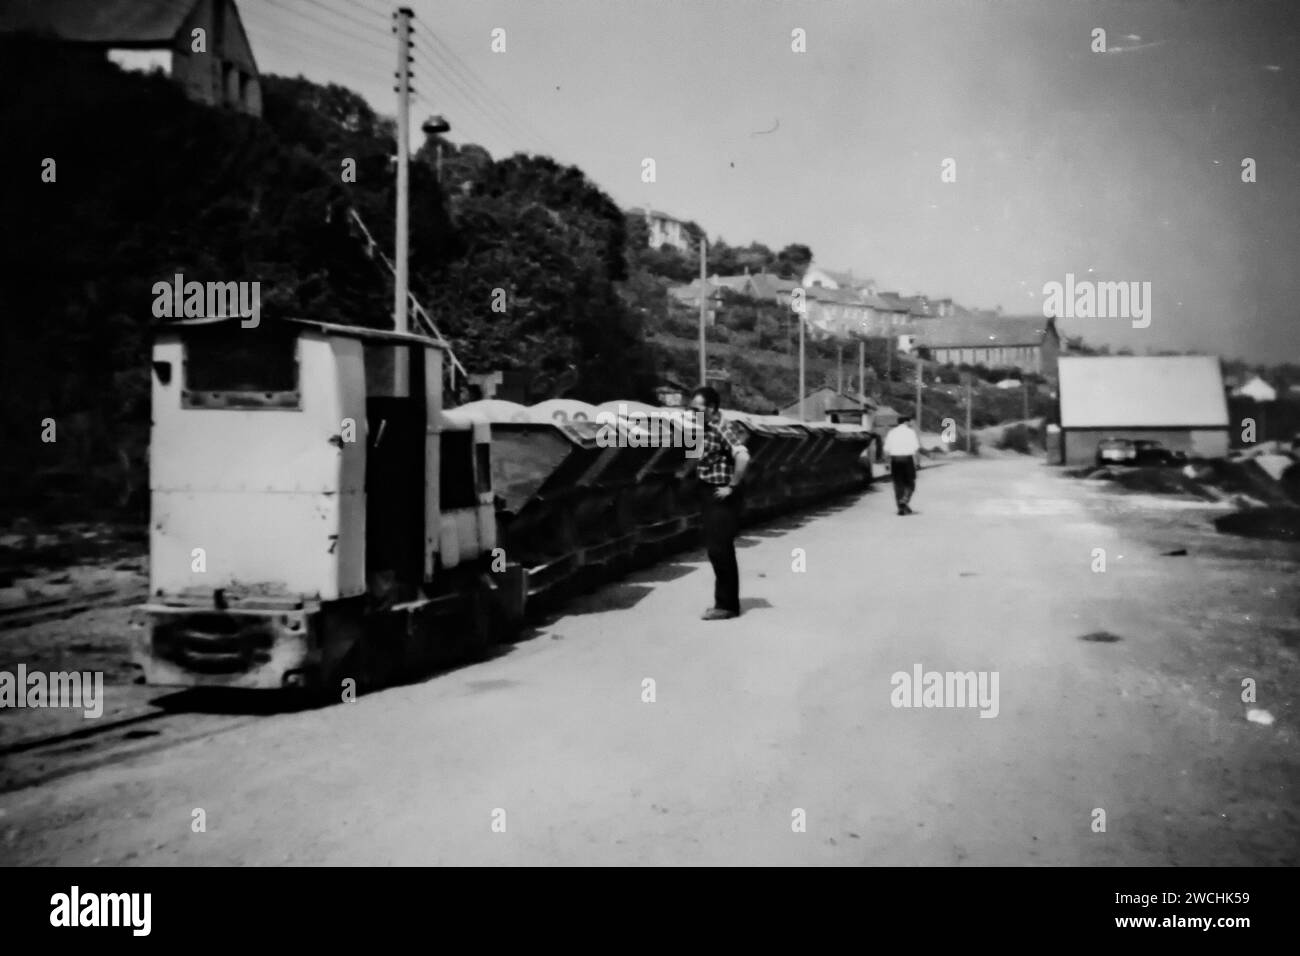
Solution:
(793, 261)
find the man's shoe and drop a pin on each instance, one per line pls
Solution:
(907, 509)
(718, 614)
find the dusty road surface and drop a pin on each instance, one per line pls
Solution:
(773, 738)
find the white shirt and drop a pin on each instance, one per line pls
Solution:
(901, 442)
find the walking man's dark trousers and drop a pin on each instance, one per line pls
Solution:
(903, 471)
(720, 522)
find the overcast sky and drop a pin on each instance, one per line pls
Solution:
(1125, 163)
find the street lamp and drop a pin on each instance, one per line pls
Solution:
(431, 127)
(435, 124)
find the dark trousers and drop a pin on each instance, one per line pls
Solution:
(903, 471)
(720, 521)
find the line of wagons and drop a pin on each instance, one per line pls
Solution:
(317, 515)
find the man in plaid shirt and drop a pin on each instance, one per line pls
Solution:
(723, 460)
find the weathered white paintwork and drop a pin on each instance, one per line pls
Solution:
(273, 497)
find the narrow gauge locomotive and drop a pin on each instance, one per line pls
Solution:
(317, 517)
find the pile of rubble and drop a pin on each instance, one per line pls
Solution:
(1262, 483)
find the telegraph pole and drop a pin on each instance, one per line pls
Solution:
(400, 245)
(862, 370)
(704, 304)
(801, 314)
(918, 394)
(968, 402)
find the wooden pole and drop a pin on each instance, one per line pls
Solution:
(704, 305)
(968, 404)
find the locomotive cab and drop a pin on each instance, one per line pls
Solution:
(310, 505)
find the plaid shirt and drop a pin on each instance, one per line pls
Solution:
(718, 452)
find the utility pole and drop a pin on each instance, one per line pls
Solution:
(401, 371)
(862, 370)
(839, 368)
(704, 304)
(918, 394)
(799, 319)
(968, 403)
(1026, 390)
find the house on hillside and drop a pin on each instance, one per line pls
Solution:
(1178, 400)
(664, 230)
(1029, 343)
(817, 277)
(689, 295)
(840, 313)
(827, 405)
(147, 33)
(770, 288)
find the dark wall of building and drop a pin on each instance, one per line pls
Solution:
(1049, 352)
(1278, 420)
(225, 75)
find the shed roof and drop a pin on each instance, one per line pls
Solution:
(1135, 391)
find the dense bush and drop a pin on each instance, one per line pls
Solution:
(1025, 439)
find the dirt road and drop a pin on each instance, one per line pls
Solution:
(554, 753)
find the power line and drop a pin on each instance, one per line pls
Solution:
(468, 118)
(377, 11)
(364, 24)
(514, 131)
(323, 62)
(503, 116)
(450, 53)
(466, 96)
(332, 28)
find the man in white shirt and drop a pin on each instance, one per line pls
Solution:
(902, 445)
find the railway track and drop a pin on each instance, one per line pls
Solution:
(49, 609)
(28, 762)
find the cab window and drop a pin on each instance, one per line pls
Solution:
(229, 366)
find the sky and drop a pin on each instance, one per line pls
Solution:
(1117, 166)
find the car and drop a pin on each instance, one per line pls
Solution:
(1151, 452)
(1116, 451)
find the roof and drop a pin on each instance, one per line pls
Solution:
(840, 296)
(1256, 388)
(654, 214)
(767, 285)
(123, 22)
(691, 291)
(734, 283)
(885, 304)
(826, 400)
(1135, 391)
(981, 332)
(326, 328)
